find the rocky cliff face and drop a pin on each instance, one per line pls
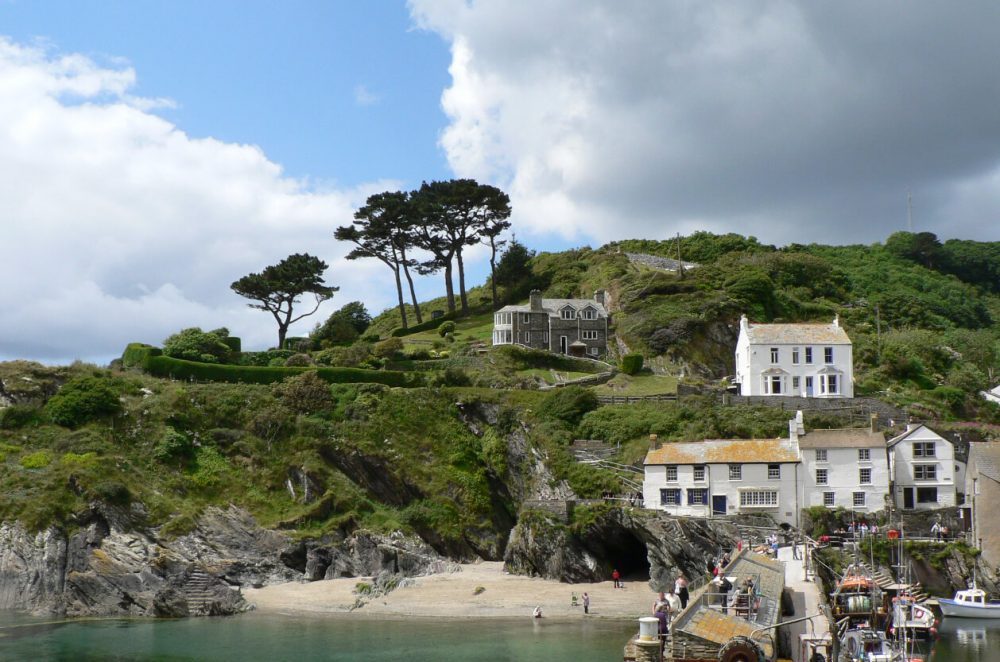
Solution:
(635, 542)
(110, 566)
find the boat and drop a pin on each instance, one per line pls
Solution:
(912, 620)
(858, 597)
(970, 603)
(865, 643)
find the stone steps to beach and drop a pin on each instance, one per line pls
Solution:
(197, 591)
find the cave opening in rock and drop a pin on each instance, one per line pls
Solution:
(627, 553)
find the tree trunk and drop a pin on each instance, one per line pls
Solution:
(413, 294)
(493, 271)
(448, 287)
(461, 282)
(282, 327)
(399, 294)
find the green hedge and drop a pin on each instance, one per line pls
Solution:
(152, 361)
(632, 363)
(424, 326)
(234, 344)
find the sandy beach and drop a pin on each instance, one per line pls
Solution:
(453, 595)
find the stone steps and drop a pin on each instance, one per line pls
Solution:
(198, 591)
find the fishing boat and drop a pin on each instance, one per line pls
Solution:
(971, 603)
(858, 597)
(865, 643)
(912, 620)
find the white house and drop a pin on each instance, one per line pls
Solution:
(723, 476)
(808, 360)
(846, 468)
(993, 395)
(922, 464)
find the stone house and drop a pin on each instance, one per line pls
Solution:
(722, 477)
(922, 465)
(982, 490)
(567, 326)
(805, 360)
(847, 468)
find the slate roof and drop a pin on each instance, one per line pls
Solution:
(895, 440)
(845, 438)
(553, 306)
(986, 456)
(723, 451)
(797, 334)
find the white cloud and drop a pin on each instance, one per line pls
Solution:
(791, 121)
(118, 226)
(364, 97)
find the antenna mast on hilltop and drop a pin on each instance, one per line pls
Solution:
(909, 211)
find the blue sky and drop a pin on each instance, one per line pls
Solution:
(282, 75)
(153, 152)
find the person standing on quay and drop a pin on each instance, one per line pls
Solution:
(586, 603)
(681, 589)
(615, 575)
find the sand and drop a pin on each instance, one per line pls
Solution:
(453, 595)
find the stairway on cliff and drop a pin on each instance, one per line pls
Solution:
(197, 592)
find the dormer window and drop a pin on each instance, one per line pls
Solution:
(567, 313)
(589, 314)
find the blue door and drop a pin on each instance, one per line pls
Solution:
(718, 504)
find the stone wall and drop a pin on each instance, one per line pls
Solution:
(862, 407)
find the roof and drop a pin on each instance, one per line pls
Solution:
(723, 451)
(845, 438)
(986, 456)
(553, 306)
(797, 334)
(895, 440)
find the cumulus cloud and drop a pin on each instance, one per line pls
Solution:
(792, 121)
(119, 227)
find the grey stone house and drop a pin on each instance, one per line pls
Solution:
(567, 326)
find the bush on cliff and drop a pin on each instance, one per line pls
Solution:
(84, 399)
(196, 345)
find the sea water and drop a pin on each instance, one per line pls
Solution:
(274, 638)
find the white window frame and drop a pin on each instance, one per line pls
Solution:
(567, 313)
(795, 384)
(858, 500)
(828, 355)
(861, 476)
(774, 472)
(589, 314)
(825, 473)
(775, 354)
(864, 455)
(821, 455)
(759, 498)
(588, 334)
(702, 492)
(594, 351)
(925, 471)
(829, 499)
(795, 355)
(735, 472)
(923, 446)
(525, 318)
(809, 355)
(699, 473)
(675, 491)
(671, 473)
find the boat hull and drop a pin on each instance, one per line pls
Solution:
(960, 610)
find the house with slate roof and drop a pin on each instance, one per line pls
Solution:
(982, 494)
(567, 326)
(805, 360)
(923, 469)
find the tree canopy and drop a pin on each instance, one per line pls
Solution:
(278, 287)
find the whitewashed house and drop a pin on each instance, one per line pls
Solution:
(922, 464)
(993, 395)
(807, 360)
(722, 477)
(847, 468)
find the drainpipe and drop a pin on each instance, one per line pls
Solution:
(798, 511)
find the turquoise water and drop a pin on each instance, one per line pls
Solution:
(258, 637)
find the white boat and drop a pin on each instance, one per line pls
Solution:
(971, 603)
(869, 645)
(911, 619)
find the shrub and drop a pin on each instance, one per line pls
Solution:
(298, 344)
(299, 360)
(388, 348)
(446, 328)
(305, 393)
(569, 404)
(84, 399)
(37, 460)
(631, 364)
(370, 337)
(173, 445)
(265, 358)
(17, 416)
(196, 345)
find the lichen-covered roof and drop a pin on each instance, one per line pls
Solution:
(986, 456)
(797, 334)
(846, 438)
(553, 306)
(720, 451)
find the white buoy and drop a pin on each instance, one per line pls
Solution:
(649, 628)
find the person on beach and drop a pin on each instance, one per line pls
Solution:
(616, 576)
(537, 613)
(681, 589)
(586, 603)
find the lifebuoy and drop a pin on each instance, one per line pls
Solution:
(817, 657)
(741, 649)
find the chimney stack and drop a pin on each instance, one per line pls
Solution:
(653, 443)
(796, 428)
(874, 422)
(744, 324)
(536, 300)
(599, 297)
(836, 320)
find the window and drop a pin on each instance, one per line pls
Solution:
(828, 499)
(567, 313)
(589, 335)
(670, 497)
(828, 354)
(758, 498)
(864, 455)
(865, 476)
(795, 355)
(821, 476)
(927, 495)
(698, 496)
(795, 383)
(699, 472)
(925, 472)
(831, 384)
(671, 472)
(525, 318)
(735, 472)
(809, 354)
(545, 336)
(924, 449)
(774, 472)
(594, 351)
(821, 455)
(859, 499)
(775, 383)
(589, 314)
(774, 355)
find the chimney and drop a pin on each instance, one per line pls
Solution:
(599, 296)
(536, 300)
(796, 428)
(836, 321)
(744, 324)
(874, 422)
(653, 443)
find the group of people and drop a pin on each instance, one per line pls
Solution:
(940, 531)
(669, 603)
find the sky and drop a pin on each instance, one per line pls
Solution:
(153, 152)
